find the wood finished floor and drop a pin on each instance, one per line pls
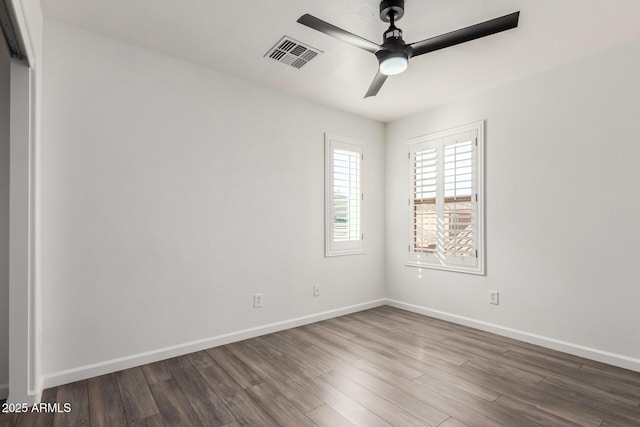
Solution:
(379, 367)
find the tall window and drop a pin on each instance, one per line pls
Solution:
(343, 198)
(445, 200)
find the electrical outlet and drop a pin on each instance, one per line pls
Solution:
(257, 300)
(494, 297)
(316, 290)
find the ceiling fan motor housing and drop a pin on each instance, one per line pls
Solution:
(394, 44)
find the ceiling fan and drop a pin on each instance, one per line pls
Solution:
(394, 54)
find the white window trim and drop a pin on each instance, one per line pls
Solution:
(418, 260)
(333, 248)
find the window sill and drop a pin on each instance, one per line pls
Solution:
(345, 252)
(453, 268)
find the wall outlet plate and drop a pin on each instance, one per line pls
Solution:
(316, 290)
(257, 300)
(494, 297)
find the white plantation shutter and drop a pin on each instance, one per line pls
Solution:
(445, 188)
(344, 196)
(425, 167)
(458, 215)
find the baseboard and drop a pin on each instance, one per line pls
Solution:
(566, 347)
(32, 397)
(77, 374)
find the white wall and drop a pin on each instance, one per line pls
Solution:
(562, 213)
(172, 193)
(4, 219)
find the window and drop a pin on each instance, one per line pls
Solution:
(344, 196)
(445, 200)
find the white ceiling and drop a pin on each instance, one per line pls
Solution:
(232, 37)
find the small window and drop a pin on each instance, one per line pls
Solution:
(445, 200)
(344, 196)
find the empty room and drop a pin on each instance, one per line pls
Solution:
(331, 213)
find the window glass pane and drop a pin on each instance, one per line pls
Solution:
(457, 229)
(458, 162)
(425, 227)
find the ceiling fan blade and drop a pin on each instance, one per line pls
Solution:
(463, 35)
(376, 84)
(339, 33)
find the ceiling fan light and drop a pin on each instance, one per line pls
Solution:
(394, 64)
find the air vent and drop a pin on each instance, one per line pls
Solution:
(292, 52)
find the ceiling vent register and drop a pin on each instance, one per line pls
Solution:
(292, 52)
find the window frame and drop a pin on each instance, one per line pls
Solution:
(349, 247)
(438, 259)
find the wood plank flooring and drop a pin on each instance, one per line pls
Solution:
(378, 367)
